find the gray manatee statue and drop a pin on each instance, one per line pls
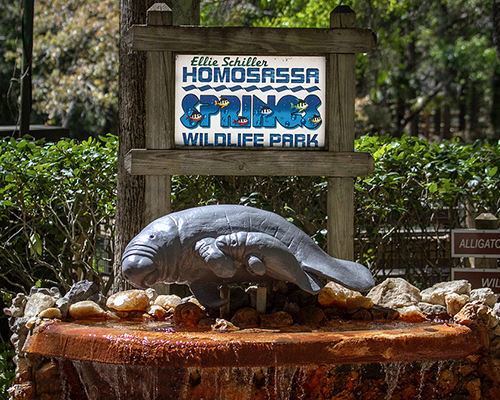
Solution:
(205, 247)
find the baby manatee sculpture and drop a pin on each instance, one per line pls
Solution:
(205, 247)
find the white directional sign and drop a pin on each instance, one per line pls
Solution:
(250, 101)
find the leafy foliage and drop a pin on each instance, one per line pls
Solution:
(7, 369)
(75, 64)
(57, 203)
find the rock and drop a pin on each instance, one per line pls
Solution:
(37, 303)
(476, 313)
(383, 313)
(310, 316)
(447, 382)
(168, 302)
(432, 309)
(411, 314)
(52, 313)
(129, 300)
(486, 295)
(223, 325)
(335, 294)
(188, 314)
(86, 309)
(239, 299)
(279, 287)
(436, 294)
(152, 295)
(22, 391)
(362, 315)
(80, 291)
(156, 311)
(246, 318)
(276, 320)
(291, 308)
(455, 302)
(17, 307)
(395, 293)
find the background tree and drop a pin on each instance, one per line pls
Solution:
(75, 64)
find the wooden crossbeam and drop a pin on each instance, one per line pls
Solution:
(250, 41)
(248, 163)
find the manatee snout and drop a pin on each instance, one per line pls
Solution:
(140, 270)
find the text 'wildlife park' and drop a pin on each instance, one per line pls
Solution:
(235, 101)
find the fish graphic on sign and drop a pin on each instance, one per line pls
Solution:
(241, 120)
(265, 110)
(222, 102)
(301, 105)
(316, 119)
(195, 115)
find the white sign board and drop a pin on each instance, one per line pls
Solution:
(250, 101)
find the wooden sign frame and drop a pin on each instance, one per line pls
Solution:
(337, 161)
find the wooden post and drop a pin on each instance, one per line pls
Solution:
(486, 221)
(261, 301)
(160, 97)
(225, 310)
(341, 86)
(160, 94)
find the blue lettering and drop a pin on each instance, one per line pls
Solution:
(208, 108)
(221, 76)
(208, 77)
(247, 137)
(287, 140)
(274, 138)
(221, 136)
(229, 140)
(312, 140)
(268, 73)
(297, 75)
(312, 73)
(240, 72)
(190, 139)
(300, 140)
(185, 74)
(258, 139)
(253, 75)
(282, 75)
(207, 143)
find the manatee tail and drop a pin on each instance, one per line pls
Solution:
(350, 274)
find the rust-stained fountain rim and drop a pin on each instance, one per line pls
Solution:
(98, 343)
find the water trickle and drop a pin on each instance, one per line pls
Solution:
(392, 373)
(425, 367)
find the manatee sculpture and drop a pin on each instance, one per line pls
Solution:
(205, 247)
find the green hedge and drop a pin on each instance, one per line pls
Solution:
(57, 204)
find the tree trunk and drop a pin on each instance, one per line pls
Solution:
(130, 208)
(130, 189)
(495, 107)
(496, 26)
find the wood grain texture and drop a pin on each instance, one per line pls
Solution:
(250, 41)
(248, 163)
(340, 134)
(160, 97)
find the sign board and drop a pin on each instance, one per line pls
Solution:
(475, 243)
(250, 101)
(478, 277)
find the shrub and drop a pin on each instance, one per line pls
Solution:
(56, 202)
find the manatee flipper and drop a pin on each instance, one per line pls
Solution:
(350, 274)
(220, 264)
(207, 293)
(278, 261)
(255, 265)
